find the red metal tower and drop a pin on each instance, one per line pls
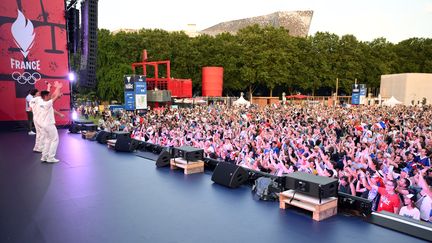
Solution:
(180, 88)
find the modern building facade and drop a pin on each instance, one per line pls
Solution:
(297, 22)
(409, 88)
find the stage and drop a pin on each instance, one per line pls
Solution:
(98, 195)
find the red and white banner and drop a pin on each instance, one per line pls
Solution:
(32, 53)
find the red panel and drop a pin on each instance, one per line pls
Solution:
(49, 56)
(175, 87)
(6, 42)
(8, 8)
(187, 88)
(19, 106)
(7, 94)
(53, 64)
(212, 81)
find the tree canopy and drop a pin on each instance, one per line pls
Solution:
(265, 60)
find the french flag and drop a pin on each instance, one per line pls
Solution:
(381, 125)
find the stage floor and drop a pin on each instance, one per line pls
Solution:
(98, 195)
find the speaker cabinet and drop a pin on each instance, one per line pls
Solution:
(188, 153)
(74, 128)
(210, 163)
(126, 144)
(103, 136)
(163, 159)
(315, 186)
(229, 175)
(349, 203)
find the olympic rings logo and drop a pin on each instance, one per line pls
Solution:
(25, 77)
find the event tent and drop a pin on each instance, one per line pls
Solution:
(391, 102)
(241, 101)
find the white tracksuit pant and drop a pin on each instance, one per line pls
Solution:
(39, 142)
(51, 142)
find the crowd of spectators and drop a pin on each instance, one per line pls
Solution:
(379, 153)
(88, 111)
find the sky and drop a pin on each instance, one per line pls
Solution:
(395, 20)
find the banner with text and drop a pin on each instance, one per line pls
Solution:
(129, 95)
(32, 53)
(140, 93)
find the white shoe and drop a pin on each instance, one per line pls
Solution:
(53, 160)
(43, 159)
(37, 151)
(31, 133)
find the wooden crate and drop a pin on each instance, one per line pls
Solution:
(190, 167)
(320, 211)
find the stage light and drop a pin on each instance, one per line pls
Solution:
(71, 77)
(74, 115)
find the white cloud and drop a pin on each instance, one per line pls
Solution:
(428, 8)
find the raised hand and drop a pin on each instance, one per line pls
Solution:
(58, 85)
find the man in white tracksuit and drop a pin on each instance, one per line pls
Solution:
(47, 122)
(34, 105)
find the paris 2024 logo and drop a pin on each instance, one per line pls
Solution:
(23, 33)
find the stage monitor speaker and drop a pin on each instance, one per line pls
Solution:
(126, 144)
(315, 186)
(163, 159)
(211, 163)
(103, 136)
(188, 153)
(74, 128)
(229, 175)
(353, 204)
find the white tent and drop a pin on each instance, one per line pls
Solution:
(241, 101)
(391, 102)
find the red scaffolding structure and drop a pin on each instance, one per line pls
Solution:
(180, 88)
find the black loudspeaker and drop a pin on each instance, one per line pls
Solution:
(152, 148)
(188, 153)
(211, 163)
(74, 128)
(229, 175)
(315, 186)
(103, 136)
(163, 159)
(89, 26)
(126, 144)
(350, 203)
(73, 29)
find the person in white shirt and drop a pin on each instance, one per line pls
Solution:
(34, 105)
(409, 210)
(47, 122)
(29, 112)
